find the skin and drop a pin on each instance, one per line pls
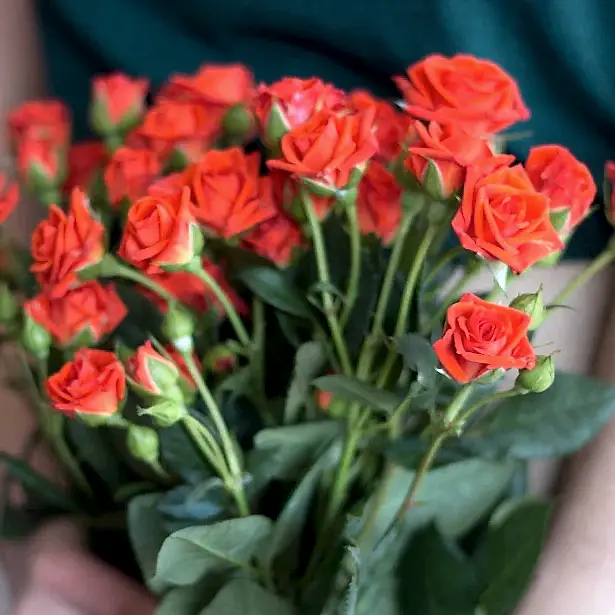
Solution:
(52, 574)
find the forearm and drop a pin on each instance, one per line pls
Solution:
(578, 566)
(20, 79)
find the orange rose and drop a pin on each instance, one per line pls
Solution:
(84, 161)
(473, 94)
(168, 185)
(66, 243)
(213, 85)
(502, 217)
(129, 174)
(379, 202)
(609, 176)
(83, 316)
(328, 147)
(480, 336)
(568, 183)
(276, 239)
(118, 102)
(185, 127)
(392, 128)
(451, 149)
(47, 120)
(193, 292)
(226, 192)
(9, 197)
(41, 165)
(295, 100)
(94, 382)
(152, 373)
(160, 232)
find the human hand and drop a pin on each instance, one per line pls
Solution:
(53, 574)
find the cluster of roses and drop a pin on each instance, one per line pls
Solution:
(175, 173)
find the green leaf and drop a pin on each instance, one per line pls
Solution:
(273, 287)
(203, 503)
(507, 558)
(289, 525)
(244, 597)
(191, 553)
(284, 452)
(419, 356)
(352, 389)
(309, 361)
(190, 600)
(147, 534)
(36, 484)
(434, 577)
(455, 496)
(556, 422)
(181, 455)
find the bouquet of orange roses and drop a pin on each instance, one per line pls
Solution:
(247, 337)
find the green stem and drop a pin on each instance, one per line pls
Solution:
(406, 301)
(325, 279)
(354, 275)
(366, 356)
(455, 407)
(196, 268)
(599, 263)
(119, 270)
(446, 258)
(207, 445)
(225, 438)
(258, 358)
(463, 418)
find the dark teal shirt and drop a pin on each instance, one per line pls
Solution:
(560, 51)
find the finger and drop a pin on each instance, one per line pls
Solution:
(41, 602)
(62, 533)
(92, 586)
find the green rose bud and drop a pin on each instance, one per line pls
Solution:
(178, 327)
(532, 305)
(143, 444)
(165, 413)
(220, 359)
(35, 338)
(540, 378)
(9, 307)
(238, 122)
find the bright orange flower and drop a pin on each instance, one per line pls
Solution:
(481, 336)
(568, 183)
(474, 94)
(379, 202)
(119, 100)
(40, 164)
(84, 315)
(159, 232)
(94, 382)
(66, 243)
(180, 362)
(40, 120)
(226, 192)
(168, 185)
(393, 129)
(130, 173)
(451, 150)
(502, 217)
(328, 147)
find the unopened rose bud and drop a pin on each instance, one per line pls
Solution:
(35, 338)
(9, 307)
(143, 443)
(238, 122)
(42, 167)
(178, 327)
(532, 305)
(220, 359)
(165, 413)
(538, 379)
(152, 375)
(276, 126)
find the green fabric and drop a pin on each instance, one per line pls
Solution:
(560, 51)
